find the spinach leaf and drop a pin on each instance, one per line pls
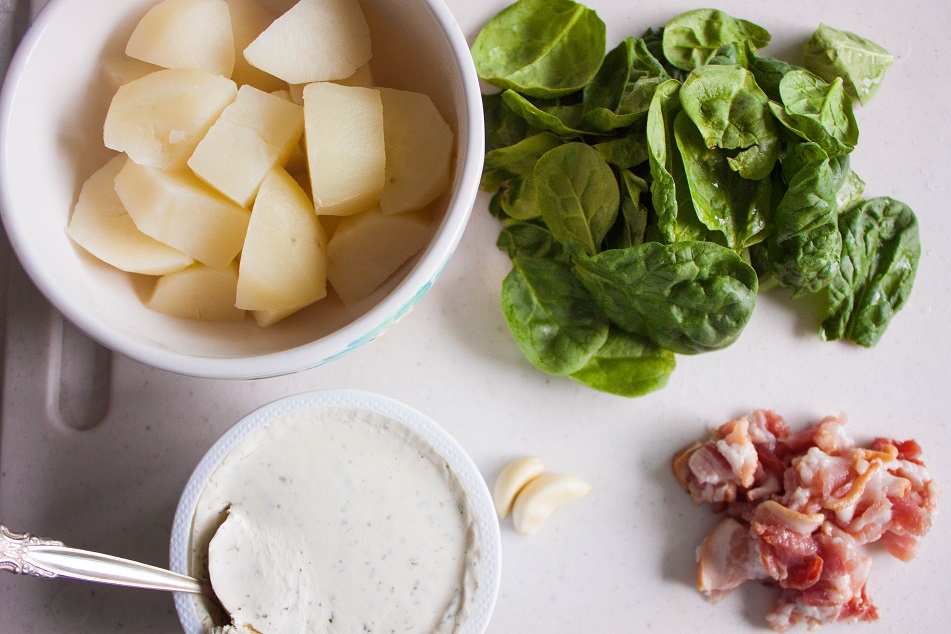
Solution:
(730, 55)
(578, 195)
(563, 120)
(624, 152)
(732, 113)
(859, 62)
(818, 112)
(850, 192)
(516, 160)
(541, 48)
(805, 245)
(687, 297)
(724, 201)
(519, 199)
(693, 38)
(621, 92)
(880, 254)
(531, 239)
(676, 218)
(654, 41)
(631, 224)
(627, 365)
(768, 72)
(551, 315)
(502, 126)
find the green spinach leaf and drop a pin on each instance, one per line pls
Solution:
(818, 112)
(693, 38)
(631, 224)
(577, 194)
(859, 62)
(676, 218)
(502, 126)
(687, 297)
(514, 161)
(627, 365)
(519, 199)
(529, 239)
(624, 152)
(725, 202)
(880, 254)
(541, 48)
(731, 112)
(547, 114)
(621, 92)
(551, 315)
(805, 245)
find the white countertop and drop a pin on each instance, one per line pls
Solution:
(620, 560)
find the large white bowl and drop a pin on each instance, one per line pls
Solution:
(191, 611)
(52, 108)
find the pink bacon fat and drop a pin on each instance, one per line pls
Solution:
(800, 506)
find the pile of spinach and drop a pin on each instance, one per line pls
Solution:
(648, 194)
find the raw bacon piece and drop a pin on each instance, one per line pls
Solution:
(728, 558)
(800, 506)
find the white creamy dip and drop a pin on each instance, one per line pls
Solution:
(337, 520)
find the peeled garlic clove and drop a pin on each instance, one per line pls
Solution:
(543, 496)
(512, 479)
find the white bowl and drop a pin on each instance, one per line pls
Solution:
(190, 609)
(52, 108)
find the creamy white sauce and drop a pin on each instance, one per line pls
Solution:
(342, 521)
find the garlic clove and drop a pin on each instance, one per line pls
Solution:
(512, 479)
(543, 496)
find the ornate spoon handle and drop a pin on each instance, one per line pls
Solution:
(38, 557)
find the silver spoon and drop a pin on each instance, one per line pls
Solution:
(22, 553)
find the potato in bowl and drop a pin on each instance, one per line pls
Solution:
(52, 146)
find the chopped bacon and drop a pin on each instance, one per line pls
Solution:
(800, 505)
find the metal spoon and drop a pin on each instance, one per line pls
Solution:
(22, 553)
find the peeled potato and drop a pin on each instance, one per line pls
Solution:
(181, 211)
(316, 40)
(367, 248)
(255, 133)
(283, 262)
(345, 147)
(198, 292)
(101, 225)
(186, 34)
(159, 119)
(418, 151)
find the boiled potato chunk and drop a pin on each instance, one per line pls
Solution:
(178, 209)
(101, 226)
(367, 248)
(343, 129)
(198, 292)
(284, 262)
(186, 34)
(265, 318)
(159, 119)
(248, 20)
(255, 133)
(418, 151)
(316, 40)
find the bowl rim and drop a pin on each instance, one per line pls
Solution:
(365, 328)
(458, 460)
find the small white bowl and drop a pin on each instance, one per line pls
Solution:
(467, 474)
(52, 109)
